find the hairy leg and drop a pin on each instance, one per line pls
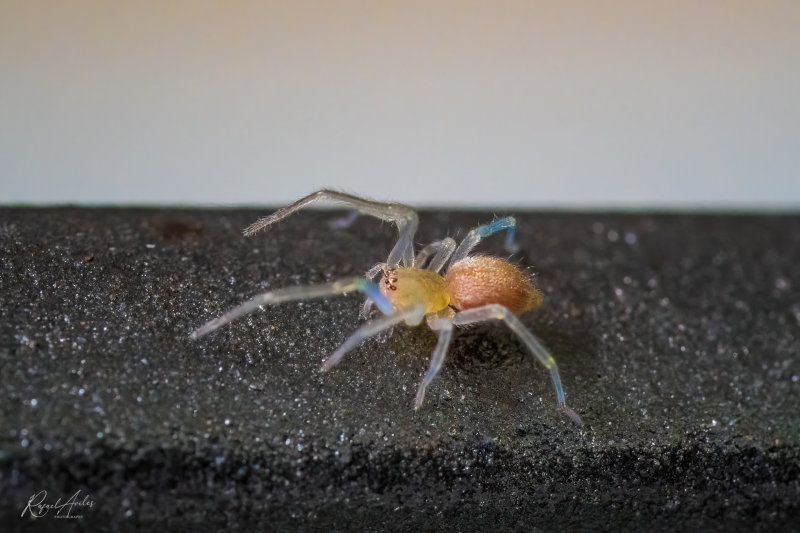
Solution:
(444, 326)
(372, 272)
(366, 308)
(531, 342)
(402, 215)
(303, 292)
(441, 252)
(476, 235)
(411, 317)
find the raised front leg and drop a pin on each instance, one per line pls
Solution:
(402, 215)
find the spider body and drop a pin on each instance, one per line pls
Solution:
(406, 288)
(412, 287)
(481, 280)
(473, 282)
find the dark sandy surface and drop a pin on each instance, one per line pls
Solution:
(677, 338)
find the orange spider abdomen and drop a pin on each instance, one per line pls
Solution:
(482, 280)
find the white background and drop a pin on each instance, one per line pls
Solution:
(545, 104)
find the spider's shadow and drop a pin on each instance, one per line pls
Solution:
(483, 347)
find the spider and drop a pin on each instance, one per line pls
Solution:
(472, 289)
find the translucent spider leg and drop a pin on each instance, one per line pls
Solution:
(372, 272)
(444, 325)
(476, 235)
(531, 342)
(441, 252)
(425, 254)
(303, 292)
(402, 215)
(366, 307)
(412, 317)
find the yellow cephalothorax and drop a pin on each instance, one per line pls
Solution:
(407, 288)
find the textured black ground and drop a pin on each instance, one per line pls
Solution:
(677, 338)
